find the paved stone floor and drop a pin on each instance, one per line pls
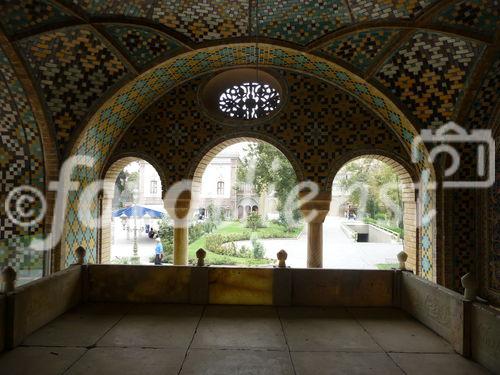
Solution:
(177, 339)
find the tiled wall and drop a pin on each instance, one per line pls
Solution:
(118, 112)
(21, 163)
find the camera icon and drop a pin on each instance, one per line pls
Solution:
(443, 140)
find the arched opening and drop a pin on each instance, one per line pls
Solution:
(373, 215)
(110, 121)
(133, 212)
(257, 177)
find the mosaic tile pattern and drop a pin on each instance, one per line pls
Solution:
(299, 21)
(464, 245)
(364, 10)
(427, 248)
(21, 163)
(22, 15)
(478, 15)
(130, 8)
(142, 45)
(174, 132)
(494, 255)
(73, 69)
(204, 20)
(359, 49)
(482, 113)
(429, 73)
(113, 118)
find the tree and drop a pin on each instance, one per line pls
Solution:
(125, 184)
(254, 221)
(371, 179)
(269, 170)
(212, 217)
(119, 188)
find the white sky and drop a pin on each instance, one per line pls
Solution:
(237, 148)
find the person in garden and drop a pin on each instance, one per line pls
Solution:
(158, 252)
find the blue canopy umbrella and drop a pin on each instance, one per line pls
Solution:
(138, 211)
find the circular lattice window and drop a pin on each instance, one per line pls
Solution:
(249, 100)
(243, 95)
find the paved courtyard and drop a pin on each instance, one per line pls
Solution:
(338, 250)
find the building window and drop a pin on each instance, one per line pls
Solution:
(153, 189)
(249, 100)
(220, 188)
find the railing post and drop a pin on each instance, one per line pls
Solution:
(80, 255)
(9, 276)
(282, 256)
(201, 254)
(402, 258)
(470, 286)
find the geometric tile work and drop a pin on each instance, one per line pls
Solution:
(299, 21)
(481, 116)
(360, 48)
(464, 241)
(204, 20)
(478, 15)
(113, 118)
(21, 163)
(483, 108)
(73, 69)
(78, 236)
(494, 254)
(364, 10)
(464, 212)
(429, 73)
(143, 45)
(174, 131)
(130, 8)
(22, 15)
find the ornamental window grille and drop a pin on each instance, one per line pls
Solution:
(249, 100)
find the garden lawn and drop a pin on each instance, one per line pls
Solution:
(229, 227)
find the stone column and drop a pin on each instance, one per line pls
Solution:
(180, 244)
(314, 213)
(180, 212)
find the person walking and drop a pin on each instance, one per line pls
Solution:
(158, 252)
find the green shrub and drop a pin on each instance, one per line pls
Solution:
(245, 252)
(254, 221)
(198, 230)
(224, 244)
(258, 249)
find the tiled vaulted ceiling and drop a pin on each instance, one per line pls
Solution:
(78, 52)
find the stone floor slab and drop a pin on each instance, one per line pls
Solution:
(83, 327)
(442, 364)
(39, 360)
(240, 327)
(129, 361)
(230, 362)
(396, 331)
(324, 329)
(341, 363)
(160, 326)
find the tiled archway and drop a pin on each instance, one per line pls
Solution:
(110, 122)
